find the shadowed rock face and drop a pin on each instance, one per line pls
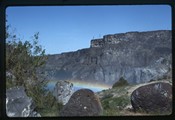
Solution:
(82, 103)
(136, 56)
(63, 91)
(156, 97)
(18, 104)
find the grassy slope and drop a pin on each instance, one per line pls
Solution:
(116, 101)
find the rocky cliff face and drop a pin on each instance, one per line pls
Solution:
(136, 56)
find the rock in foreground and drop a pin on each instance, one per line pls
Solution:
(82, 103)
(153, 98)
(18, 104)
(63, 91)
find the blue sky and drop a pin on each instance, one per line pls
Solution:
(69, 28)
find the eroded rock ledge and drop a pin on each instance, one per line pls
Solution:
(136, 56)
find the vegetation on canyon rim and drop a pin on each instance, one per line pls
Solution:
(120, 82)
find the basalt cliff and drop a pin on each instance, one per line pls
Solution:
(136, 56)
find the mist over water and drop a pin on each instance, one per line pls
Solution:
(77, 86)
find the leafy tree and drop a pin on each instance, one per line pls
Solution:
(23, 59)
(121, 82)
(22, 62)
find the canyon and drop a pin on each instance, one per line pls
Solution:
(136, 56)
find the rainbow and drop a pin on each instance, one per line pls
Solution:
(83, 84)
(93, 86)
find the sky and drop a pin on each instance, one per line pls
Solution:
(70, 28)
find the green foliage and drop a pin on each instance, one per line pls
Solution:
(111, 112)
(49, 106)
(22, 61)
(121, 82)
(107, 96)
(113, 106)
(121, 102)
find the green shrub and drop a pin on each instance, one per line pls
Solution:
(23, 58)
(50, 106)
(121, 82)
(121, 101)
(107, 96)
(113, 106)
(110, 112)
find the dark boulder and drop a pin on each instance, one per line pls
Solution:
(18, 104)
(153, 98)
(82, 103)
